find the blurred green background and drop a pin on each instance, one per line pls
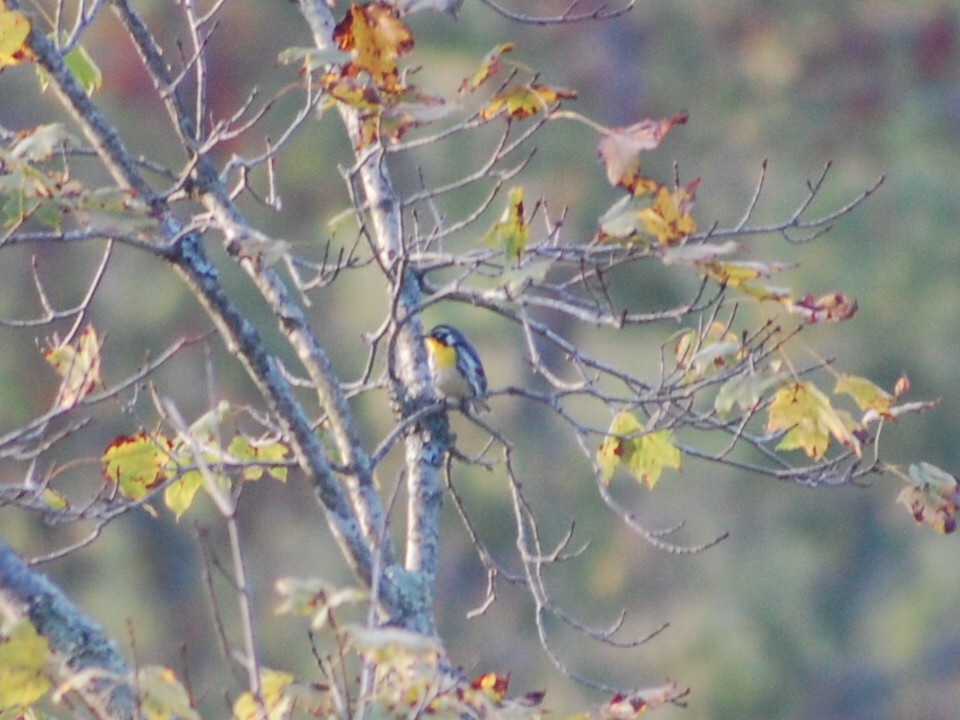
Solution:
(823, 603)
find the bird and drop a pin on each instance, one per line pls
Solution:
(455, 367)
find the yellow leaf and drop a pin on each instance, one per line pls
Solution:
(810, 420)
(277, 702)
(668, 219)
(489, 66)
(645, 455)
(267, 452)
(14, 28)
(53, 500)
(493, 686)
(351, 91)
(179, 495)
(23, 659)
(520, 101)
(618, 445)
(162, 696)
(865, 394)
(136, 463)
(511, 233)
(735, 273)
(377, 37)
(654, 452)
(78, 365)
(702, 355)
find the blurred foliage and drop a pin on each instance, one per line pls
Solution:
(822, 604)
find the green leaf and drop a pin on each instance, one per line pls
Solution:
(745, 391)
(84, 69)
(162, 696)
(511, 233)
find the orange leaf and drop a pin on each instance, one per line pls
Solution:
(620, 150)
(78, 365)
(377, 37)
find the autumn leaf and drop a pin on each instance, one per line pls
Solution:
(179, 495)
(932, 497)
(388, 646)
(351, 91)
(832, 307)
(806, 414)
(865, 393)
(78, 365)
(493, 685)
(902, 386)
(655, 451)
(23, 659)
(136, 463)
(510, 233)
(268, 452)
(735, 273)
(378, 38)
(203, 437)
(697, 254)
(162, 696)
(620, 150)
(420, 110)
(627, 707)
(315, 598)
(53, 500)
(668, 218)
(745, 391)
(275, 698)
(42, 142)
(703, 352)
(520, 101)
(645, 455)
(14, 28)
(489, 66)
